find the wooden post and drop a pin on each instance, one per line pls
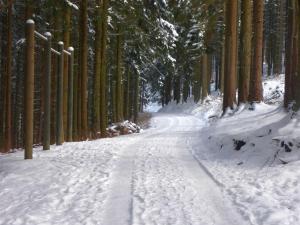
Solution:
(47, 95)
(29, 88)
(70, 95)
(59, 100)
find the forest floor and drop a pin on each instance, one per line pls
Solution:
(191, 167)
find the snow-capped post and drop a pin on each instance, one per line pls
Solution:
(59, 100)
(47, 96)
(29, 89)
(70, 95)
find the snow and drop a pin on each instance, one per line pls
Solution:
(72, 5)
(153, 107)
(183, 170)
(262, 178)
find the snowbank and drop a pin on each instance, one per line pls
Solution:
(255, 155)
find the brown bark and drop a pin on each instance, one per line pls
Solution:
(66, 34)
(7, 78)
(97, 70)
(84, 67)
(245, 53)
(230, 55)
(290, 62)
(204, 68)
(29, 9)
(255, 92)
(103, 101)
(297, 62)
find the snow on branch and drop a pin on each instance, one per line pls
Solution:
(72, 5)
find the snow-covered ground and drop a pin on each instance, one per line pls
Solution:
(148, 178)
(185, 170)
(263, 176)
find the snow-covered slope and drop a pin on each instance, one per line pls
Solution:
(254, 154)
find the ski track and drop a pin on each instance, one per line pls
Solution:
(146, 179)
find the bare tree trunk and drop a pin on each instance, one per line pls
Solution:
(7, 76)
(204, 61)
(256, 94)
(245, 53)
(297, 39)
(103, 102)
(290, 52)
(97, 70)
(66, 34)
(230, 55)
(119, 79)
(84, 67)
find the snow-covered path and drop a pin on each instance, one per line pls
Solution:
(158, 181)
(150, 178)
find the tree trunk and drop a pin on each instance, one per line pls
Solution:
(245, 53)
(29, 9)
(84, 67)
(136, 97)
(204, 61)
(230, 55)
(7, 78)
(255, 94)
(66, 34)
(119, 79)
(290, 62)
(97, 70)
(297, 86)
(103, 101)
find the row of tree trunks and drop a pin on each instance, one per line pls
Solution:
(52, 84)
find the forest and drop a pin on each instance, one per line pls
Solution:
(157, 112)
(129, 53)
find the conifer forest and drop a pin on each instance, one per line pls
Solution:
(149, 112)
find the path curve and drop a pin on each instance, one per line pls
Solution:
(159, 182)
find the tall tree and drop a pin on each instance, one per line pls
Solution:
(245, 52)
(290, 61)
(84, 67)
(97, 68)
(297, 97)
(255, 94)
(103, 75)
(229, 99)
(66, 38)
(8, 76)
(119, 77)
